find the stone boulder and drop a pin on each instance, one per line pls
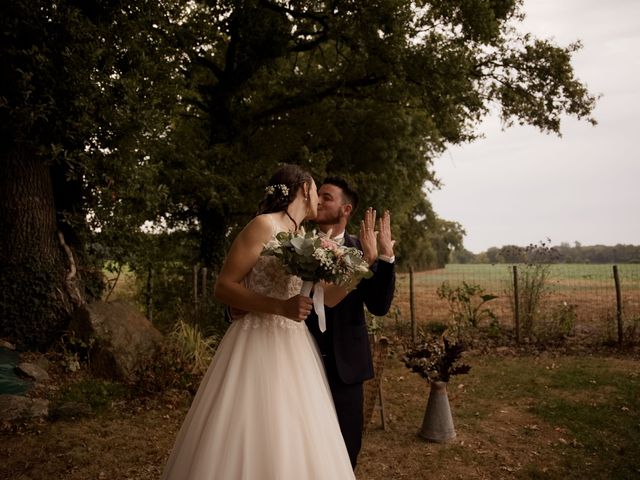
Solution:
(32, 371)
(121, 340)
(7, 345)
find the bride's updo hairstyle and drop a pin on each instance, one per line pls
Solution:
(282, 188)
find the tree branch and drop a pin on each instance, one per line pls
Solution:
(316, 96)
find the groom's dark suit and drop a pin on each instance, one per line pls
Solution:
(345, 346)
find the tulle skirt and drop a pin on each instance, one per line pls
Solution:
(263, 411)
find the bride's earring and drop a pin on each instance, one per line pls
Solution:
(308, 200)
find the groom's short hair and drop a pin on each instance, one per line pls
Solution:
(350, 195)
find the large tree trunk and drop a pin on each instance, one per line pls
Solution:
(214, 241)
(38, 285)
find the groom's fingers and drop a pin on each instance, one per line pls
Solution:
(386, 223)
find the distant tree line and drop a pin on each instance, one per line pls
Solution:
(563, 253)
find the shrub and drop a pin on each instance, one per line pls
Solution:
(167, 369)
(558, 324)
(533, 284)
(466, 303)
(181, 361)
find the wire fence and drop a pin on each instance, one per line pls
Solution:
(587, 291)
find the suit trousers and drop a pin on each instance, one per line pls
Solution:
(348, 399)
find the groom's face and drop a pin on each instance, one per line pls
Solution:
(331, 205)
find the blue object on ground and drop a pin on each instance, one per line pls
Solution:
(10, 383)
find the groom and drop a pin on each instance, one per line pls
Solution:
(345, 343)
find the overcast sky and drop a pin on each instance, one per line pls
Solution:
(521, 186)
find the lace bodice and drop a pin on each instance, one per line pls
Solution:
(269, 277)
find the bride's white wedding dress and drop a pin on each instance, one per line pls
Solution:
(263, 410)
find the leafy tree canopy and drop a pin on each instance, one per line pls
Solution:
(176, 112)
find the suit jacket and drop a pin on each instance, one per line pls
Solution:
(345, 344)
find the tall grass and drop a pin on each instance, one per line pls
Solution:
(195, 348)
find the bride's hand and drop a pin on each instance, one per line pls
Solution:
(297, 308)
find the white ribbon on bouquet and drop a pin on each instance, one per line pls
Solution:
(318, 301)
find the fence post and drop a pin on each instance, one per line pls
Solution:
(150, 294)
(616, 279)
(516, 302)
(412, 306)
(203, 293)
(195, 286)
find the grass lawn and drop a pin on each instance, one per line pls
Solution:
(523, 417)
(531, 417)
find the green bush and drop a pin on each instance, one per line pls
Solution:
(467, 303)
(558, 324)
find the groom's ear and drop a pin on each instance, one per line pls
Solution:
(347, 209)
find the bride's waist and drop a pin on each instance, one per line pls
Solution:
(265, 320)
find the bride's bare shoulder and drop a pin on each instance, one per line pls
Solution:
(261, 226)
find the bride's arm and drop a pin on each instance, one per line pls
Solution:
(242, 256)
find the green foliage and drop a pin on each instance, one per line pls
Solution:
(466, 303)
(557, 324)
(343, 89)
(176, 113)
(426, 241)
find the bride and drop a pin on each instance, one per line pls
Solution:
(264, 409)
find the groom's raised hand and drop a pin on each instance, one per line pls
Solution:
(368, 240)
(385, 243)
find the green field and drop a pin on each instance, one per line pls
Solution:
(502, 274)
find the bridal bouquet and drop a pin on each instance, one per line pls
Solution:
(313, 258)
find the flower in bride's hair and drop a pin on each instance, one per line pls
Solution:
(271, 189)
(314, 257)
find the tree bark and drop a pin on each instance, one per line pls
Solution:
(38, 289)
(214, 241)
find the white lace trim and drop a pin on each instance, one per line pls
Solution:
(253, 321)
